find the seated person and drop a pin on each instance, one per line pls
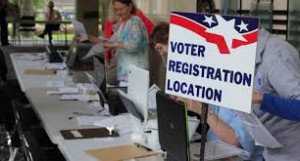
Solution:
(53, 18)
(224, 123)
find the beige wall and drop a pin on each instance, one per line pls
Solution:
(85, 7)
(159, 10)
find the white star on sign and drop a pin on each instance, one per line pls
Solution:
(209, 20)
(227, 30)
(243, 26)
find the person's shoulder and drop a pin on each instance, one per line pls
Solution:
(281, 47)
(136, 18)
(275, 46)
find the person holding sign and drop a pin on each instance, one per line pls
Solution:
(285, 108)
(277, 73)
(224, 123)
(130, 39)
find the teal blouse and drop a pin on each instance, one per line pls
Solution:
(133, 34)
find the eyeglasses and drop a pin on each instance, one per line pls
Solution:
(120, 10)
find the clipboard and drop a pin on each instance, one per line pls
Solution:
(87, 133)
(124, 153)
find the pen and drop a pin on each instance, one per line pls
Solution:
(143, 147)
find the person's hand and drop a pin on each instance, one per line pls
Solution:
(257, 97)
(94, 39)
(194, 106)
(79, 38)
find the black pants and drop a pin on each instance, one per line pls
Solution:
(4, 28)
(6, 113)
(48, 30)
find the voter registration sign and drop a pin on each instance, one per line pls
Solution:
(211, 58)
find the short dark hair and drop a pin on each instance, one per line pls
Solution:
(160, 34)
(128, 2)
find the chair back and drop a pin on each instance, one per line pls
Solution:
(27, 21)
(32, 149)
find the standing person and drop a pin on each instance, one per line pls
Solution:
(110, 27)
(53, 17)
(130, 41)
(3, 22)
(278, 73)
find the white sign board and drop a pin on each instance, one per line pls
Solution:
(211, 58)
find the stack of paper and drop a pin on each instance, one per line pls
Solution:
(125, 123)
(31, 57)
(64, 90)
(88, 120)
(216, 150)
(55, 84)
(56, 66)
(258, 131)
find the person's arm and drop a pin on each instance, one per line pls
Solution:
(137, 37)
(222, 130)
(282, 107)
(217, 125)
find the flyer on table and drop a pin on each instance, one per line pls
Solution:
(211, 58)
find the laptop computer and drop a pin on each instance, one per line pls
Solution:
(138, 88)
(172, 127)
(173, 135)
(129, 105)
(76, 53)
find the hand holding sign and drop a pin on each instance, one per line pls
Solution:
(194, 106)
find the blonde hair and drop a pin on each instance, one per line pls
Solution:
(111, 16)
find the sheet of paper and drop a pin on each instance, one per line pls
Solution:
(56, 66)
(95, 106)
(63, 90)
(258, 131)
(124, 123)
(79, 29)
(95, 50)
(55, 83)
(68, 90)
(31, 57)
(86, 88)
(216, 150)
(152, 96)
(88, 120)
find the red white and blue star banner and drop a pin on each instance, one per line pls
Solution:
(211, 58)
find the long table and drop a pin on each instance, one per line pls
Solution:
(27, 81)
(56, 115)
